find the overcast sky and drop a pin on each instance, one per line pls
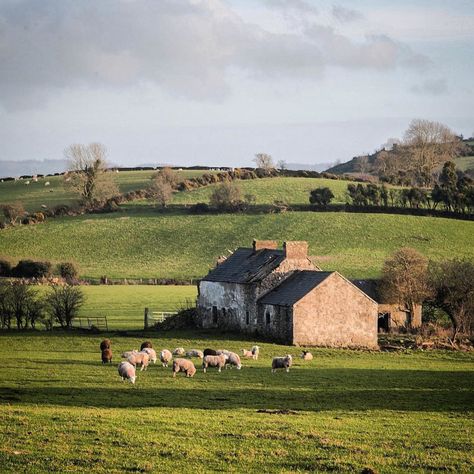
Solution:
(216, 81)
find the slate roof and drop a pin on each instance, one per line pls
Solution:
(369, 287)
(294, 288)
(246, 266)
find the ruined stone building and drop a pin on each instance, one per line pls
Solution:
(280, 294)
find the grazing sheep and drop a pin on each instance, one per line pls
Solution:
(105, 344)
(306, 355)
(151, 353)
(183, 365)
(255, 352)
(214, 361)
(233, 359)
(165, 357)
(179, 351)
(195, 353)
(27, 183)
(139, 358)
(282, 363)
(127, 371)
(127, 354)
(47, 183)
(209, 352)
(146, 344)
(247, 354)
(223, 351)
(107, 356)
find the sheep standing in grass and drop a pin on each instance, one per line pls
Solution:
(151, 354)
(105, 344)
(165, 357)
(214, 361)
(282, 363)
(209, 352)
(255, 352)
(107, 356)
(127, 371)
(139, 358)
(233, 359)
(179, 351)
(306, 355)
(183, 365)
(247, 354)
(145, 345)
(195, 353)
(127, 354)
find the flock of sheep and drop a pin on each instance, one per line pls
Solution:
(219, 359)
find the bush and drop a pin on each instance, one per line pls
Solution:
(31, 269)
(67, 270)
(199, 208)
(5, 268)
(226, 196)
(321, 196)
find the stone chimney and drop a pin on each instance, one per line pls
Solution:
(296, 249)
(264, 244)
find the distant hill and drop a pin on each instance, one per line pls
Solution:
(31, 167)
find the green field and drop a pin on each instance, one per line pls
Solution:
(35, 194)
(124, 305)
(465, 162)
(342, 412)
(143, 243)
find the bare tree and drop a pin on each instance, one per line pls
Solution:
(63, 303)
(162, 186)
(362, 164)
(282, 165)
(88, 174)
(405, 278)
(427, 145)
(225, 196)
(264, 160)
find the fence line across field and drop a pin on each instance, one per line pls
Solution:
(150, 318)
(100, 322)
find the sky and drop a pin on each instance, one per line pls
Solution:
(213, 82)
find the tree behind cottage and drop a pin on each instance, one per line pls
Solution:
(88, 175)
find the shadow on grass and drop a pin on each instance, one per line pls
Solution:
(309, 390)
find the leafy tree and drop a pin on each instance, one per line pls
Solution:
(321, 196)
(63, 303)
(88, 175)
(453, 291)
(405, 278)
(68, 271)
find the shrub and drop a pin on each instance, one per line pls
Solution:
(199, 208)
(225, 196)
(13, 212)
(67, 270)
(31, 269)
(5, 267)
(321, 196)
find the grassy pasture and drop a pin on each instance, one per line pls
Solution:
(62, 411)
(143, 243)
(465, 162)
(35, 194)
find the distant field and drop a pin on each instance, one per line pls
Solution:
(465, 162)
(144, 243)
(61, 410)
(34, 194)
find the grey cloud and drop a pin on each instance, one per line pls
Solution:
(344, 15)
(431, 87)
(187, 47)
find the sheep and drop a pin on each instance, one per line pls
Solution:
(223, 351)
(165, 357)
(233, 359)
(27, 183)
(247, 354)
(179, 351)
(214, 361)
(183, 365)
(107, 356)
(127, 354)
(151, 354)
(127, 371)
(146, 344)
(282, 363)
(139, 358)
(306, 355)
(195, 353)
(47, 183)
(209, 352)
(105, 344)
(255, 352)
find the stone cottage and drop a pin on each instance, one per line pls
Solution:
(282, 295)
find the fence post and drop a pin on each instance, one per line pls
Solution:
(146, 318)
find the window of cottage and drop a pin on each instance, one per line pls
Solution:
(267, 317)
(214, 314)
(247, 317)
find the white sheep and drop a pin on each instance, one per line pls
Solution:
(179, 351)
(165, 357)
(195, 353)
(127, 354)
(255, 352)
(47, 183)
(282, 363)
(183, 365)
(306, 355)
(247, 354)
(151, 354)
(233, 359)
(223, 351)
(214, 361)
(139, 358)
(27, 183)
(127, 371)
